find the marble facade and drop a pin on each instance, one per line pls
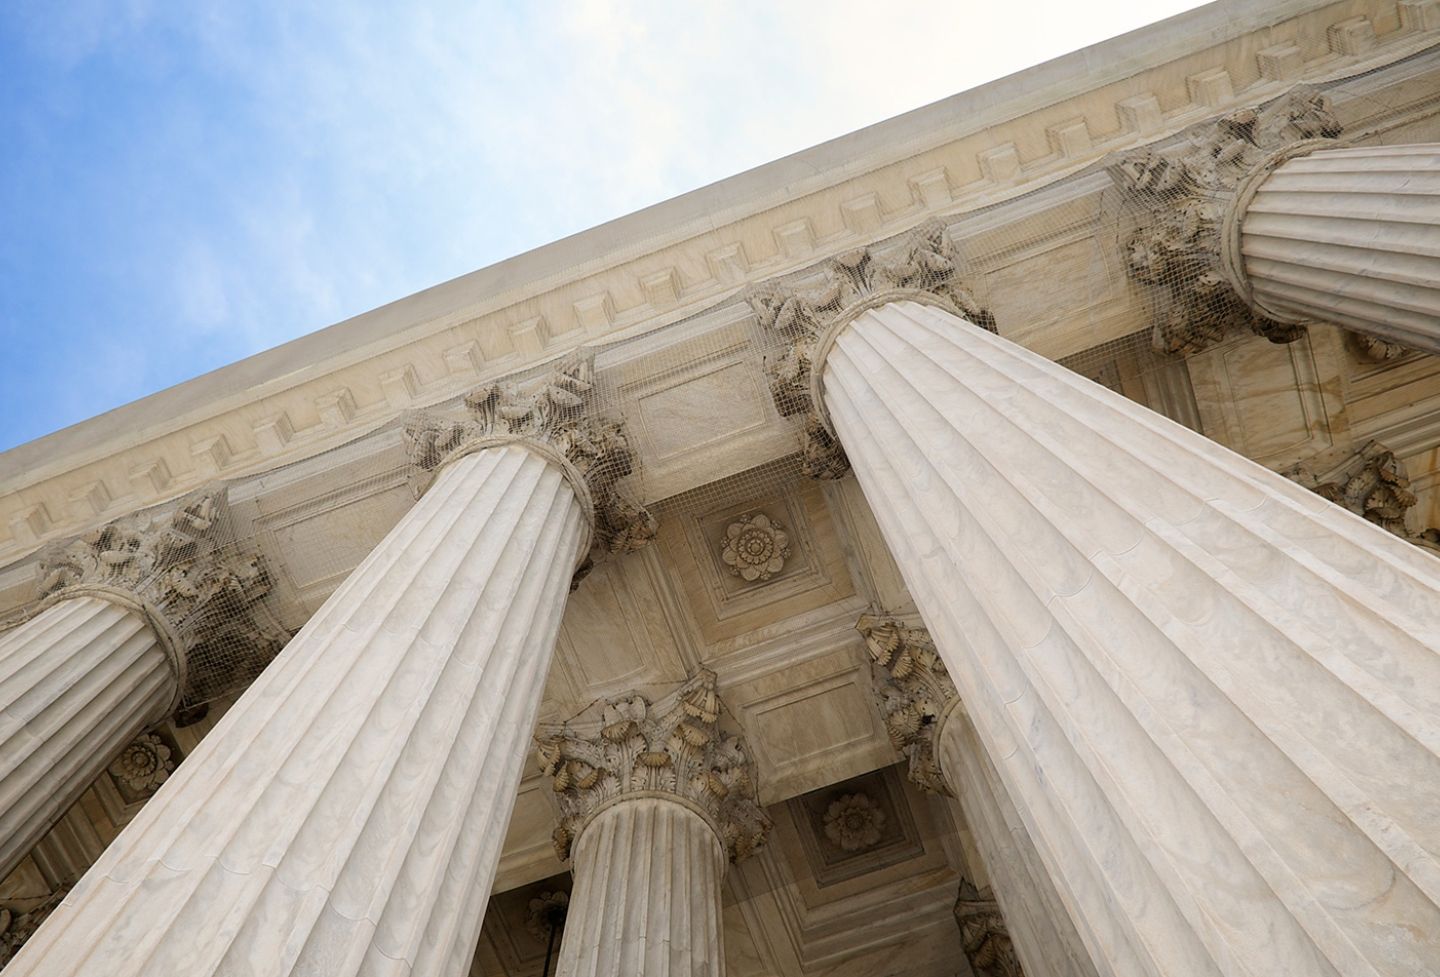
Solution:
(928, 555)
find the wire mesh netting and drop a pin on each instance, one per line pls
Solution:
(1114, 271)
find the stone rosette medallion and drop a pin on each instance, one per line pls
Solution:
(755, 547)
(144, 764)
(673, 745)
(854, 822)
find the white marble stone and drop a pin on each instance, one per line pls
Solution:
(1045, 939)
(346, 816)
(77, 682)
(1209, 692)
(1350, 237)
(646, 901)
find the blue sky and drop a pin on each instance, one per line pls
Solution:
(185, 183)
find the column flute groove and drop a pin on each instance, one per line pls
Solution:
(655, 800)
(346, 815)
(1095, 559)
(107, 654)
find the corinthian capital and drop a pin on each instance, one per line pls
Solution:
(631, 745)
(914, 691)
(1187, 198)
(182, 570)
(984, 936)
(803, 319)
(553, 410)
(1370, 482)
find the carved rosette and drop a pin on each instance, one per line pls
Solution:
(1370, 482)
(800, 317)
(553, 409)
(983, 934)
(1182, 196)
(143, 765)
(854, 822)
(914, 690)
(670, 746)
(755, 547)
(181, 567)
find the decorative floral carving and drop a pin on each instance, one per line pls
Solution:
(1375, 349)
(673, 745)
(915, 692)
(1371, 482)
(553, 408)
(20, 920)
(799, 318)
(983, 934)
(179, 565)
(1182, 195)
(755, 547)
(545, 914)
(143, 765)
(853, 822)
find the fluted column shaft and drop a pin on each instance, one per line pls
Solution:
(77, 682)
(1348, 236)
(1039, 924)
(646, 901)
(1209, 693)
(346, 816)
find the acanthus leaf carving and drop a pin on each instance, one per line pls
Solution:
(799, 318)
(183, 566)
(984, 935)
(673, 745)
(20, 920)
(1182, 195)
(914, 691)
(1371, 482)
(553, 408)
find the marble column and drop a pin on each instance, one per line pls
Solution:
(1009, 912)
(1209, 692)
(1344, 236)
(655, 800)
(108, 656)
(346, 815)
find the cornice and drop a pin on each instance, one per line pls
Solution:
(966, 152)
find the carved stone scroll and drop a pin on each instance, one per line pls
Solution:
(914, 691)
(799, 317)
(670, 746)
(1182, 195)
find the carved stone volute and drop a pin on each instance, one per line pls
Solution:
(914, 690)
(801, 320)
(1185, 200)
(181, 569)
(553, 410)
(1370, 482)
(631, 746)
